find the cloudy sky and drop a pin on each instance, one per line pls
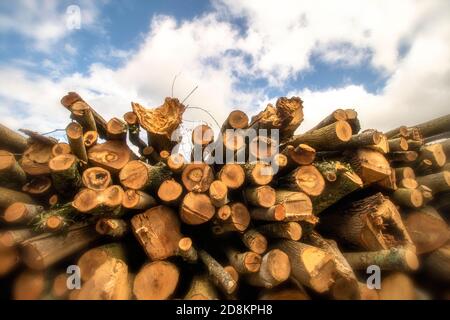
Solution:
(390, 60)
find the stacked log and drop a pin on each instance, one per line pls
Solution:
(303, 215)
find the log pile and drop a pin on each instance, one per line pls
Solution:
(303, 217)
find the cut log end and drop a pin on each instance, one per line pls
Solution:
(197, 177)
(170, 191)
(232, 175)
(196, 208)
(96, 178)
(237, 120)
(156, 281)
(202, 135)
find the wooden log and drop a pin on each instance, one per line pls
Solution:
(170, 192)
(336, 115)
(262, 148)
(81, 113)
(404, 173)
(202, 135)
(232, 217)
(35, 136)
(156, 281)
(114, 228)
(400, 131)
(372, 223)
(20, 212)
(437, 264)
(435, 153)
(186, 250)
(397, 286)
(353, 121)
(300, 155)
(382, 146)
(346, 285)
(90, 138)
(197, 177)
(12, 238)
(132, 122)
(398, 144)
(218, 193)
(324, 138)
(11, 173)
(290, 292)
(232, 175)
(103, 202)
(434, 126)
(158, 232)
(218, 274)
(367, 293)
(297, 206)
(151, 155)
(397, 259)
(258, 173)
(274, 213)
(11, 140)
(139, 175)
(44, 250)
(414, 145)
(263, 196)
(116, 129)
(161, 122)
(408, 183)
(35, 159)
(310, 266)
(389, 183)
(281, 230)
(176, 163)
(9, 260)
(411, 198)
(437, 182)
(364, 139)
(59, 289)
(404, 156)
(306, 179)
(254, 241)
(275, 269)
(345, 182)
(29, 285)
(196, 208)
(237, 119)
(56, 219)
(371, 166)
(427, 194)
(61, 148)
(75, 137)
(201, 288)
(428, 230)
(96, 178)
(111, 155)
(8, 197)
(244, 262)
(39, 186)
(65, 175)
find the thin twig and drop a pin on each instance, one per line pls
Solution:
(192, 91)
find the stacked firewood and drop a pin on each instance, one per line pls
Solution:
(305, 218)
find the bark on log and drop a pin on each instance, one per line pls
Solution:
(297, 206)
(398, 144)
(400, 131)
(8, 197)
(244, 262)
(75, 137)
(186, 250)
(11, 173)
(12, 238)
(437, 264)
(397, 259)
(196, 208)
(411, 198)
(336, 115)
(114, 228)
(11, 140)
(371, 166)
(281, 230)
(274, 213)
(116, 129)
(275, 269)
(54, 220)
(156, 281)
(218, 274)
(263, 196)
(138, 175)
(218, 193)
(437, 182)
(434, 126)
(65, 175)
(435, 153)
(201, 288)
(197, 177)
(353, 121)
(306, 179)
(20, 212)
(404, 156)
(254, 241)
(364, 139)
(232, 217)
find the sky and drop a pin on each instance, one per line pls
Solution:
(389, 60)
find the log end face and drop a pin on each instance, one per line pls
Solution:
(232, 175)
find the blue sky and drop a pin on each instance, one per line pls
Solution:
(387, 60)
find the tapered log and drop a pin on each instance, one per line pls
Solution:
(9, 260)
(345, 183)
(275, 269)
(297, 206)
(11, 140)
(12, 238)
(96, 178)
(336, 115)
(196, 208)
(263, 196)
(437, 264)
(365, 139)
(35, 136)
(197, 177)
(156, 281)
(274, 213)
(139, 175)
(398, 259)
(397, 286)
(236, 120)
(282, 230)
(435, 153)
(310, 266)
(372, 224)
(38, 186)
(244, 262)
(114, 228)
(44, 250)
(116, 129)
(170, 192)
(324, 138)
(306, 179)
(111, 155)
(437, 182)
(218, 193)
(346, 285)
(411, 198)
(231, 217)
(434, 126)
(217, 273)
(92, 259)
(65, 175)
(201, 288)
(158, 232)
(371, 166)
(8, 197)
(161, 122)
(176, 163)
(61, 148)
(75, 137)
(428, 230)
(398, 144)
(404, 156)
(258, 173)
(232, 175)
(90, 138)
(186, 250)
(35, 158)
(29, 285)
(11, 173)
(254, 241)
(400, 131)
(20, 212)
